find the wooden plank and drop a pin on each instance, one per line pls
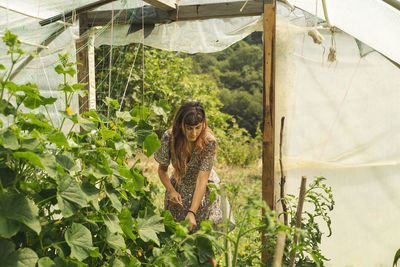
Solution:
(82, 57)
(103, 17)
(186, 12)
(218, 10)
(270, 183)
(163, 4)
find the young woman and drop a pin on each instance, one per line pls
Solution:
(190, 146)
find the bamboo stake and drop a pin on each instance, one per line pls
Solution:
(298, 215)
(279, 248)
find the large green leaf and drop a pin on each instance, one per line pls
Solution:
(33, 102)
(151, 144)
(113, 195)
(112, 223)
(9, 140)
(204, 249)
(87, 125)
(69, 194)
(124, 115)
(97, 171)
(49, 164)
(8, 228)
(18, 208)
(59, 139)
(46, 262)
(149, 227)
(66, 160)
(115, 240)
(24, 257)
(6, 108)
(143, 129)
(30, 156)
(92, 194)
(32, 144)
(107, 133)
(127, 223)
(79, 239)
(6, 248)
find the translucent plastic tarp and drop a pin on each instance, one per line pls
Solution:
(373, 22)
(343, 123)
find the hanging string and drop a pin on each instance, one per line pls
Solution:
(340, 108)
(129, 77)
(142, 60)
(111, 47)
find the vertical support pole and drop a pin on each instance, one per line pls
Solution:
(82, 58)
(270, 183)
(92, 68)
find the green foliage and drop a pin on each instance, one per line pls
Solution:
(238, 148)
(69, 198)
(168, 82)
(396, 258)
(318, 197)
(238, 72)
(245, 238)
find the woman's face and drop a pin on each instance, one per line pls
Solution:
(193, 132)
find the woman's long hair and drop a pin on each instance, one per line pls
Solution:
(189, 113)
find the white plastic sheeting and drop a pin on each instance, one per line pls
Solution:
(371, 21)
(343, 123)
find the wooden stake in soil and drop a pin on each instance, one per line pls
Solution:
(298, 215)
(279, 248)
(283, 176)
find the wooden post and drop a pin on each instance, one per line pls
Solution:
(279, 249)
(82, 57)
(299, 211)
(270, 183)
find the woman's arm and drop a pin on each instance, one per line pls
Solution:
(175, 197)
(199, 191)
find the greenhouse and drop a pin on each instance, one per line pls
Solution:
(89, 87)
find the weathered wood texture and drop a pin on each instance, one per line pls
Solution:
(299, 211)
(82, 57)
(187, 12)
(270, 183)
(218, 10)
(163, 4)
(279, 249)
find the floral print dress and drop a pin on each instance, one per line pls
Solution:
(199, 161)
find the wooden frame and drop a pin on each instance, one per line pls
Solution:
(270, 183)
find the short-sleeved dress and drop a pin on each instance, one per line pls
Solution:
(199, 161)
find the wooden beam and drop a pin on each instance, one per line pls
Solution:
(270, 183)
(187, 12)
(82, 57)
(218, 10)
(163, 4)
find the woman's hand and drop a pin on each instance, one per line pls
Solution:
(175, 198)
(192, 221)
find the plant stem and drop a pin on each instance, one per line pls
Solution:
(44, 200)
(48, 114)
(52, 245)
(1, 188)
